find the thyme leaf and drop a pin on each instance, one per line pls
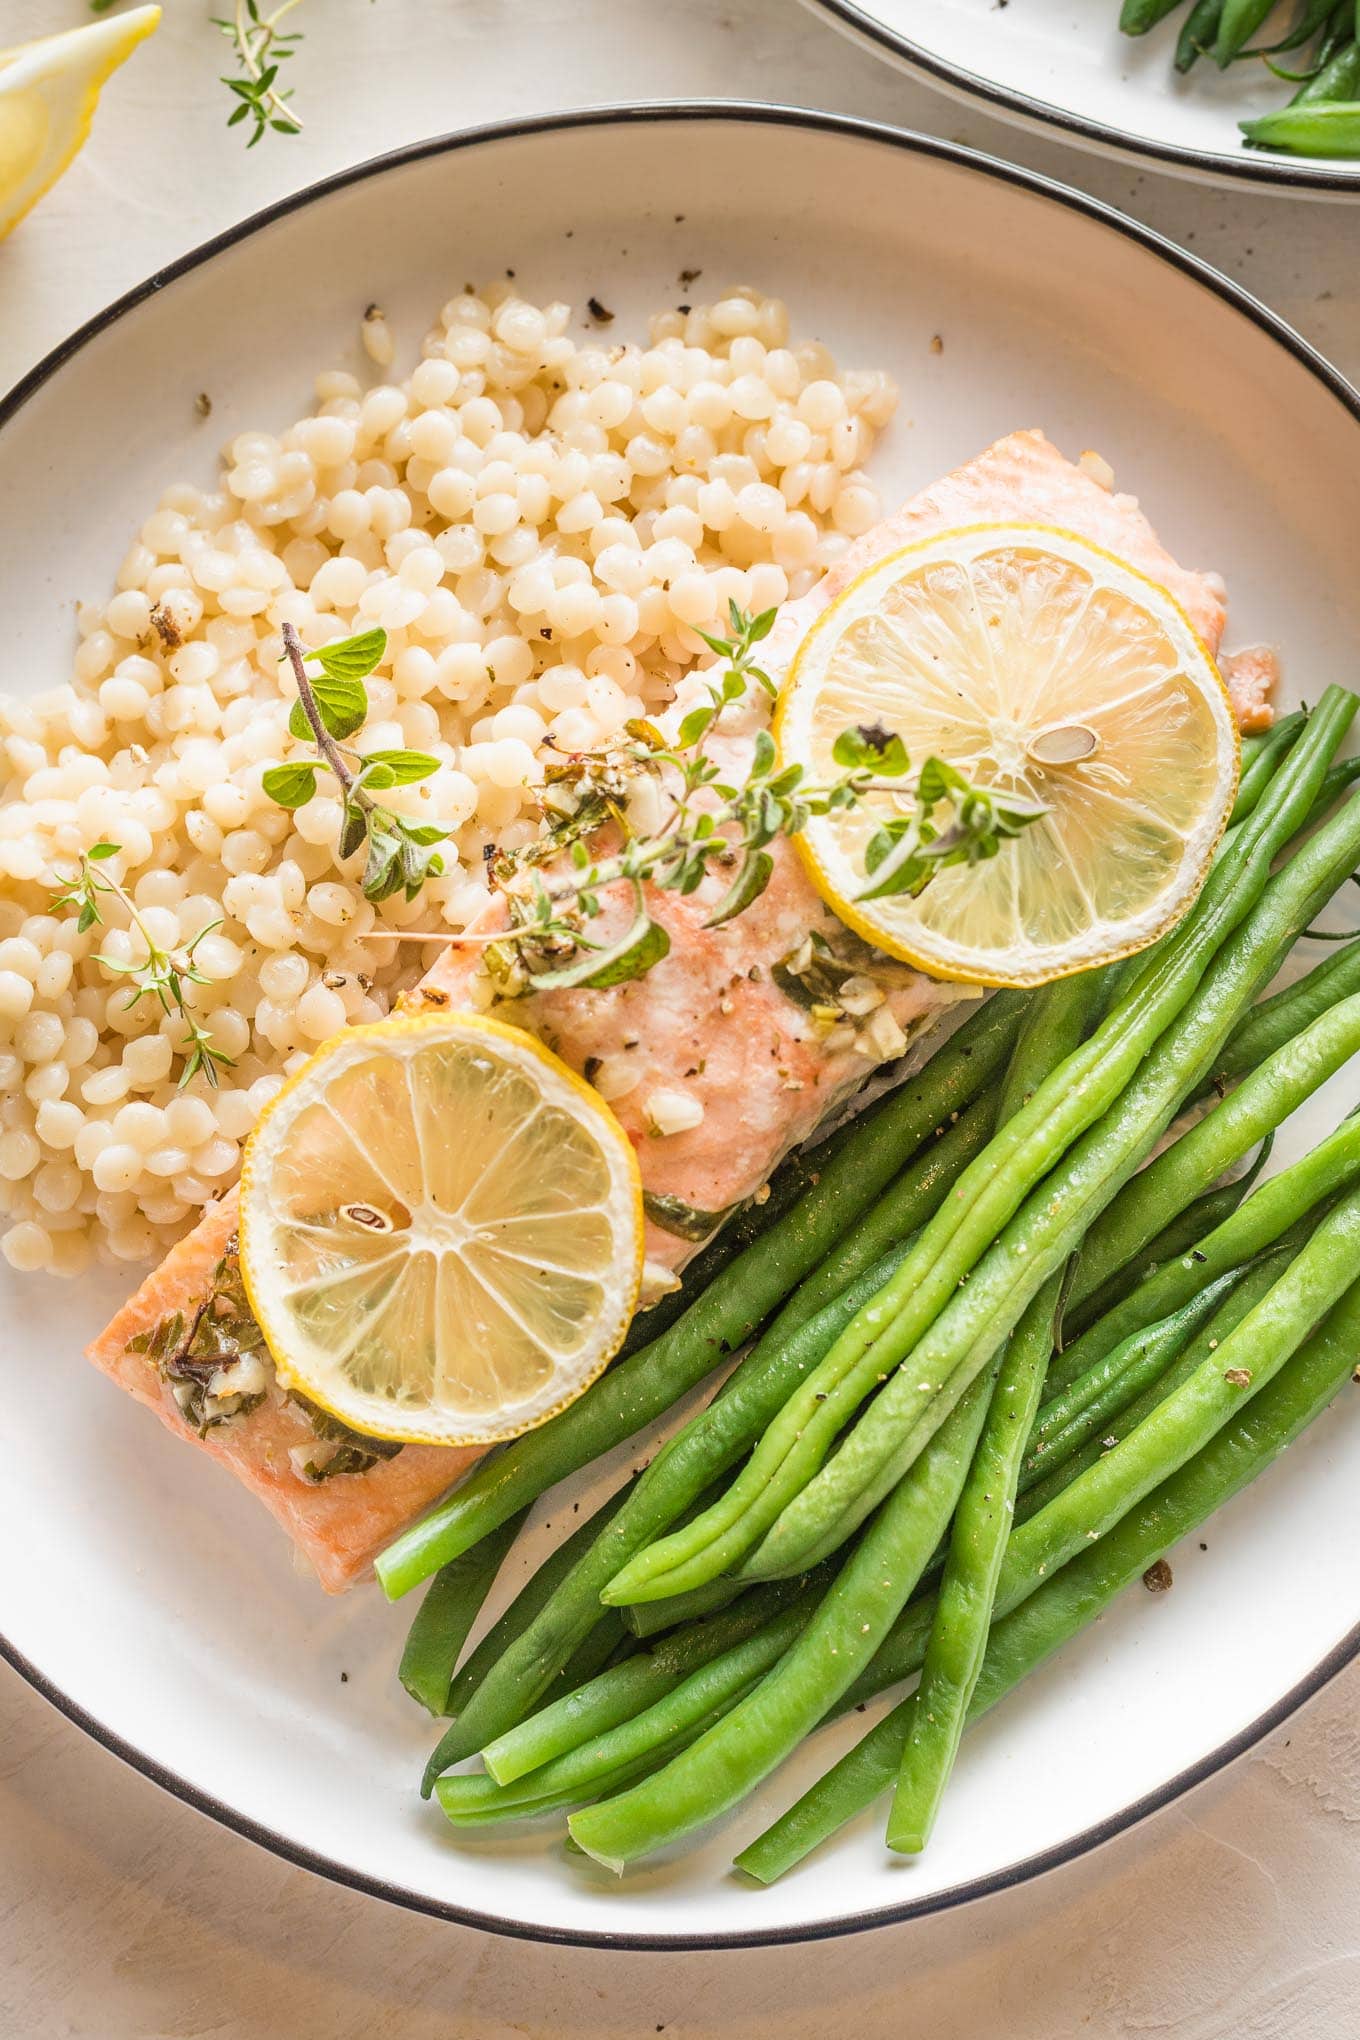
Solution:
(162, 974)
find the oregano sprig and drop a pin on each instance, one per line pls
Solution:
(332, 706)
(161, 974)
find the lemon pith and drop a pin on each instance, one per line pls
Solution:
(441, 1230)
(1042, 666)
(49, 90)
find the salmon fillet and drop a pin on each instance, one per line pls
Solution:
(713, 1062)
(339, 1523)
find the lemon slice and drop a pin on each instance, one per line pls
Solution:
(441, 1230)
(48, 93)
(1047, 669)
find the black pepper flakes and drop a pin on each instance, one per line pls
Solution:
(1158, 1578)
(600, 313)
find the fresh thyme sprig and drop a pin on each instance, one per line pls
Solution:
(717, 824)
(332, 705)
(162, 974)
(259, 48)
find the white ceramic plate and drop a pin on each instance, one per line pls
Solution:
(139, 1587)
(1063, 65)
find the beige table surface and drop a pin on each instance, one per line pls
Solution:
(126, 1916)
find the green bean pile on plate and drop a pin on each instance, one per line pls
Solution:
(996, 1363)
(1312, 44)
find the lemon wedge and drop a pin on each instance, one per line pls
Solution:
(1041, 667)
(441, 1230)
(48, 93)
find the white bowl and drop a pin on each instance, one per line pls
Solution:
(1066, 70)
(139, 1587)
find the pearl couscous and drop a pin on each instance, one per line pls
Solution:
(539, 522)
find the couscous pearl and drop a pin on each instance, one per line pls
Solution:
(189, 1120)
(320, 1013)
(117, 1166)
(20, 1154)
(57, 1123)
(27, 1247)
(16, 995)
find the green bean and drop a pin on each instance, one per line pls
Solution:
(618, 1694)
(1258, 1225)
(1186, 1419)
(649, 1618)
(638, 1390)
(1237, 25)
(1273, 1021)
(446, 1616)
(795, 1174)
(1329, 129)
(536, 1594)
(905, 1205)
(1001, 1277)
(1055, 1024)
(1337, 79)
(720, 1435)
(678, 1476)
(1260, 765)
(1083, 1408)
(1076, 1596)
(1310, 21)
(903, 1649)
(1195, 1161)
(1086, 1440)
(746, 1743)
(704, 1696)
(1136, 17)
(1184, 1231)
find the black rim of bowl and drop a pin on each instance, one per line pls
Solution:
(652, 113)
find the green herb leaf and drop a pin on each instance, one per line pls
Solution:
(406, 767)
(353, 829)
(756, 870)
(632, 956)
(871, 748)
(341, 703)
(100, 851)
(352, 658)
(290, 786)
(694, 726)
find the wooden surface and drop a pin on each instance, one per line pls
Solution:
(124, 1915)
